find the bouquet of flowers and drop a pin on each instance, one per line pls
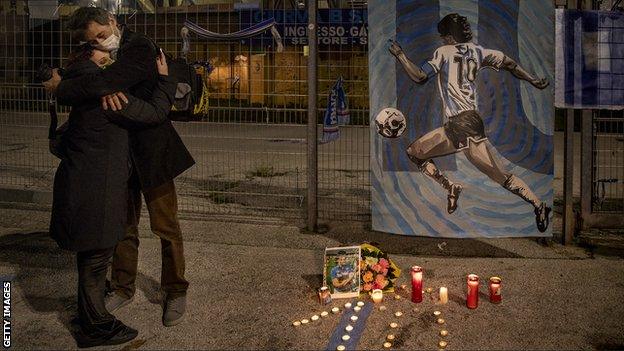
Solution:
(377, 271)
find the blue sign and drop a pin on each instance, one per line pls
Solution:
(335, 26)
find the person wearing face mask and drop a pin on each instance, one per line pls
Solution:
(89, 207)
(158, 155)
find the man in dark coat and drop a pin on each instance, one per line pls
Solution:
(158, 155)
(89, 208)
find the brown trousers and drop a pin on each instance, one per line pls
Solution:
(162, 205)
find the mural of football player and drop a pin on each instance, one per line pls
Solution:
(456, 65)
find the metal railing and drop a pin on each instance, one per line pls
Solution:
(608, 162)
(607, 171)
(250, 147)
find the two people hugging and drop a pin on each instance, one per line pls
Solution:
(117, 144)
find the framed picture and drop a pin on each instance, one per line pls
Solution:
(341, 271)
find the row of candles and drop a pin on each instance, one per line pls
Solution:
(472, 295)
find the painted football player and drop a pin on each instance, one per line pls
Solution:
(456, 64)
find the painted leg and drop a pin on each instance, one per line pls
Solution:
(431, 145)
(520, 188)
(479, 155)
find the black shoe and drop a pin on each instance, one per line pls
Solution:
(116, 333)
(542, 217)
(453, 198)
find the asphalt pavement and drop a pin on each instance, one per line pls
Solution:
(250, 282)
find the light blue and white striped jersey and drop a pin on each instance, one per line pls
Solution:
(456, 67)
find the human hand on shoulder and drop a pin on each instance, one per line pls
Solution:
(51, 84)
(113, 101)
(161, 64)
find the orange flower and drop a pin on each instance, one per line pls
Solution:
(381, 280)
(368, 277)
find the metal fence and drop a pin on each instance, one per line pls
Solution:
(608, 162)
(250, 147)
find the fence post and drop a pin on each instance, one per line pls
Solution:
(587, 167)
(312, 207)
(568, 178)
(568, 159)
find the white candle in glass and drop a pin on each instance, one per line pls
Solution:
(377, 295)
(443, 295)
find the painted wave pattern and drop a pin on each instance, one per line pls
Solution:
(407, 202)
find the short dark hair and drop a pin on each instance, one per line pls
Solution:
(456, 26)
(80, 53)
(80, 19)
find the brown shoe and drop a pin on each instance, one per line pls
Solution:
(114, 301)
(173, 311)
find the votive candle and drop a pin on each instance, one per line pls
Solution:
(472, 296)
(377, 295)
(417, 282)
(495, 290)
(443, 295)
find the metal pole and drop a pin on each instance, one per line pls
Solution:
(568, 178)
(568, 168)
(587, 174)
(312, 128)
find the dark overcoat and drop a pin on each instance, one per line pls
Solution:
(89, 209)
(158, 154)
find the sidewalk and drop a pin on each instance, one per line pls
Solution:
(250, 282)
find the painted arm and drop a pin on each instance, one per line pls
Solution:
(520, 73)
(414, 72)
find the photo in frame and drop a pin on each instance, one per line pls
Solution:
(341, 271)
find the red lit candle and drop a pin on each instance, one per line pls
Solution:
(495, 290)
(472, 297)
(417, 278)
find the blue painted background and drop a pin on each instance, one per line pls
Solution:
(518, 118)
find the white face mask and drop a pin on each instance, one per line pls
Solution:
(111, 43)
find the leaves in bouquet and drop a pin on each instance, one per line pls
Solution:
(366, 253)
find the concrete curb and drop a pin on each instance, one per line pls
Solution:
(39, 197)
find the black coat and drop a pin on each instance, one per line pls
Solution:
(89, 209)
(158, 153)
